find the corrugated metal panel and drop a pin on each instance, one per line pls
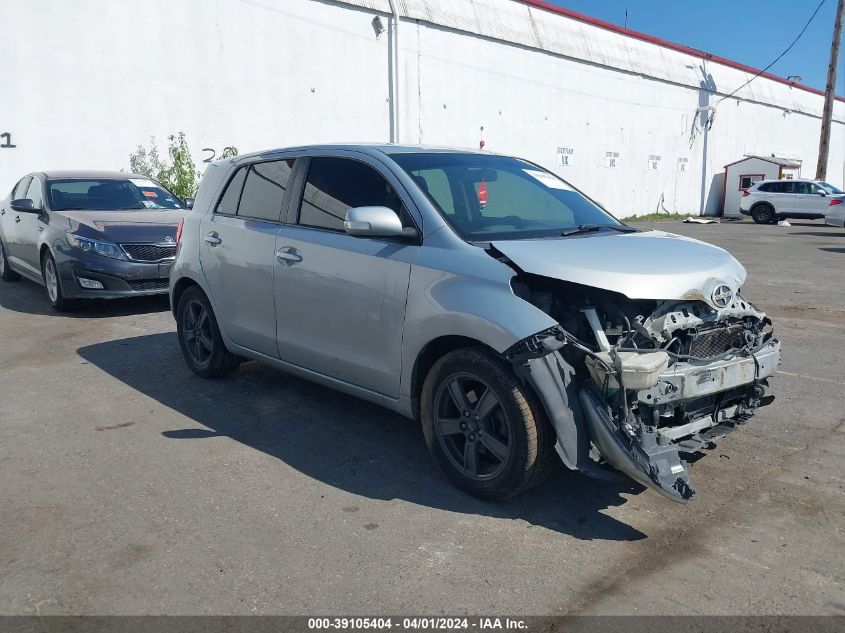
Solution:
(524, 25)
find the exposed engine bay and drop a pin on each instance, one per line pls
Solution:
(644, 385)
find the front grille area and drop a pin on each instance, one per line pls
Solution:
(149, 284)
(149, 252)
(717, 340)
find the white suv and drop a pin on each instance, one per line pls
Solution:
(770, 200)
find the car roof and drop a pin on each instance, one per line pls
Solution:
(367, 148)
(760, 182)
(88, 173)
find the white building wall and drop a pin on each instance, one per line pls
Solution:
(89, 80)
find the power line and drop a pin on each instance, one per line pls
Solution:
(778, 58)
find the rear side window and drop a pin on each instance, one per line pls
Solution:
(335, 185)
(264, 190)
(228, 204)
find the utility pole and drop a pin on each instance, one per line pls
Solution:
(830, 94)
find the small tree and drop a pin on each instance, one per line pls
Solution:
(179, 173)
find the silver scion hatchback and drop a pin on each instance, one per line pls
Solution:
(510, 314)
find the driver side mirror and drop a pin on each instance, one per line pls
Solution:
(25, 205)
(373, 222)
(189, 203)
(823, 193)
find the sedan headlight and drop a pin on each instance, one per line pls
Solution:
(100, 247)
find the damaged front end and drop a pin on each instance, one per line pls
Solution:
(644, 385)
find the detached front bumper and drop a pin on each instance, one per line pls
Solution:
(119, 278)
(651, 454)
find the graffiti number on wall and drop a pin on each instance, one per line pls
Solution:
(228, 152)
(6, 137)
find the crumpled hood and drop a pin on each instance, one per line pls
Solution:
(645, 265)
(151, 226)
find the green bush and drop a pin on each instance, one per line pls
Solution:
(178, 172)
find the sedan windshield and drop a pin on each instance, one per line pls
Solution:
(829, 188)
(108, 193)
(485, 197)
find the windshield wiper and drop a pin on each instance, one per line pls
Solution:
(588, 228)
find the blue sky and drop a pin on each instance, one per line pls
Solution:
(753, 32)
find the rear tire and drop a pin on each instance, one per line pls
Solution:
(53, 284)
(6, 273)
(485, 431)
(763, 214)
(199, 337)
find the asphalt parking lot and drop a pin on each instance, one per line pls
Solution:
(130, 486)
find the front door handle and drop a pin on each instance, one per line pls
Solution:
(288, 254)
(213, 239)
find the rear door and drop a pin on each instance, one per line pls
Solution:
(781, 194)
(30, 227)
(340, 300)
(11, 220)
(237, 252)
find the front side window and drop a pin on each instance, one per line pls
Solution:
(335, 185)
(20, 188)
(497, 197)
(264, 190)
(94, 194)
(34, 193)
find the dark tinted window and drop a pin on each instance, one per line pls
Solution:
(228, 204)
(807, 187)
(264, 190)
(20, 188)
(335, 185)
(782, 187)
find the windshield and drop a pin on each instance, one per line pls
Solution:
(107, 193)
(829, 188)
(485, 197)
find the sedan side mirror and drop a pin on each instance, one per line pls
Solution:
(25, 205)
(823, 193)
(373, 222)
(189, 203)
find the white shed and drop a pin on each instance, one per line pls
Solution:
(743, 173)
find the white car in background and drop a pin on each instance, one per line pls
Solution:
(770, 200)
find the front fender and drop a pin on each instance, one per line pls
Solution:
(444, 300)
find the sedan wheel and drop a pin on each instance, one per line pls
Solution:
(50, 274)
(197, 332)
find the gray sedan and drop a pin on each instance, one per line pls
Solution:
(86, 234)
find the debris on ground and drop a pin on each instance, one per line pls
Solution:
(700, 220)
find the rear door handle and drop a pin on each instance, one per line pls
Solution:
(213, 239)
(288, 254)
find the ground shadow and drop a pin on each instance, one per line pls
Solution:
(832, 249)
(30, 298)
(340, 440)
(832, 233)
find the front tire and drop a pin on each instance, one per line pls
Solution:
(6, 273)
(53, 284)
(199, 337)
(763, 214)
(483, 428)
